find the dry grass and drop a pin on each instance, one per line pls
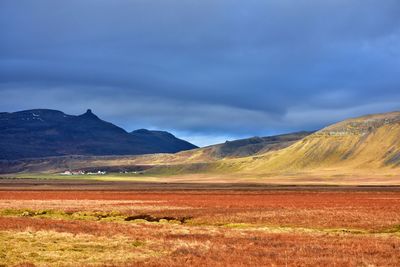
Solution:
(59, 248)
(360, 210)
(228, 228)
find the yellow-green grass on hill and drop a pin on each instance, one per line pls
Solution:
(372, 146)
(365, 149)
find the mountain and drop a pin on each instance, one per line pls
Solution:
(367, 143)
(251, 146)
(43, 133)
(165, 141)
(365, 149)
(232, 149)
(367, 146)
(213, 153)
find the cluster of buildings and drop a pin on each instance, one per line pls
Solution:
(83, 173)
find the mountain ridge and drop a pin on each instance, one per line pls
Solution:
(365, 142)
(45, 132)
(364, 146)
(207, 154)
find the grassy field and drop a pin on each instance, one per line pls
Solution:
(203, 227)
(325, 177)
(107, 177)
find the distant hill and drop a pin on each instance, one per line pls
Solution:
(369, 142)
(163, 141)
(367, 146)
(213, 153)
(252, 146)
(44, 133)
(364, 147)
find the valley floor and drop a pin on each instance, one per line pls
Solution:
(198, 225)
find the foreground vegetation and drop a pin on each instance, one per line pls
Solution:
(200, 228)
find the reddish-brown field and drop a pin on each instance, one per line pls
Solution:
(297, 227)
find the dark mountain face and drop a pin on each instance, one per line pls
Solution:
(163, 139)
(42, 133)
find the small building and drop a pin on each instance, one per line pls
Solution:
(66, 173)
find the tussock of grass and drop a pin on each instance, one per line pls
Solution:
(56, 214)
(54, 248)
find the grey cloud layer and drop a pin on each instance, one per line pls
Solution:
(203, 66)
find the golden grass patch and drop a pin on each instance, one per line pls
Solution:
(66, 249)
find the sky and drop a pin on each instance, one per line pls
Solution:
(205, 70)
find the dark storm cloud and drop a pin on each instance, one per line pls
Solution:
(203, 67)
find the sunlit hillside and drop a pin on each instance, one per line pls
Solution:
(366, 143)
(364, 146)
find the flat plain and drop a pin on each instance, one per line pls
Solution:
(153, 224)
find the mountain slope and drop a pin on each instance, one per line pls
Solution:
(363, 147)
(367, 146)
(43, 133)
(254, 145)
(366, 143)
(164, 141)
(210, 154)
(237, 148)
